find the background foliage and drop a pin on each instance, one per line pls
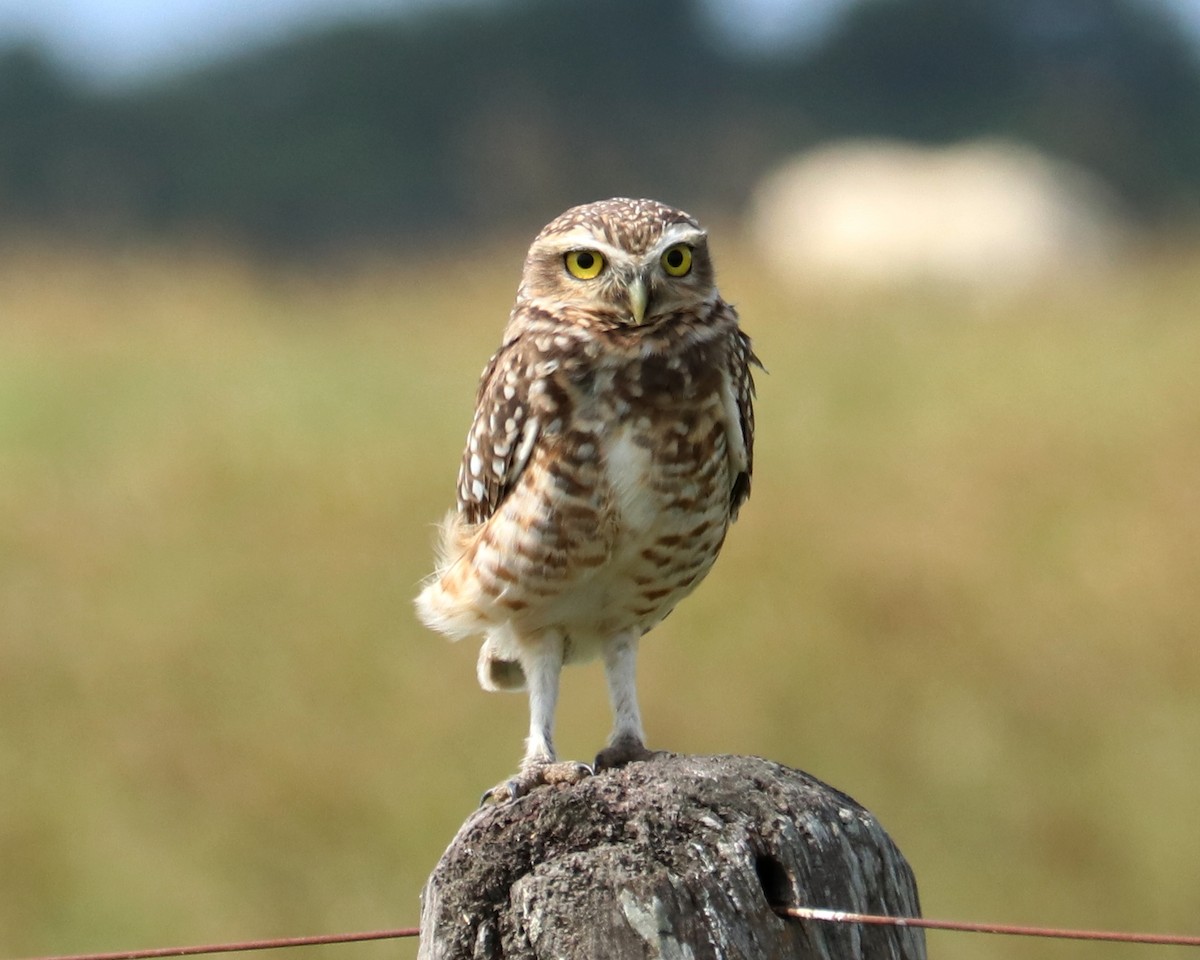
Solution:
(403, 131)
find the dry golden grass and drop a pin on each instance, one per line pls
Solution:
(966, 591)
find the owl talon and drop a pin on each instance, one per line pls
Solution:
(533, 776)
(624, 751)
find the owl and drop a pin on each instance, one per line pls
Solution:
(611, 447)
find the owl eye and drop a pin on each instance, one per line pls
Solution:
(677, 260)
(584, 264)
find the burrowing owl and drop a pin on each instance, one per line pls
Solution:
(610, 450)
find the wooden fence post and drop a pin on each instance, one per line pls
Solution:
(678, 858)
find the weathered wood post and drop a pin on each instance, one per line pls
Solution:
(678, 858)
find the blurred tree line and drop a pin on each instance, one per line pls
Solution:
(409, 129)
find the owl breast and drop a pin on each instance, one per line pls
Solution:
(622, 505)
(630, 509)
(665, 496)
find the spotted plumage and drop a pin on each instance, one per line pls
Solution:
(611, 447)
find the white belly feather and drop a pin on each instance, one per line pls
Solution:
(628, 472)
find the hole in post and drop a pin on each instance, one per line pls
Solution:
(776, 885)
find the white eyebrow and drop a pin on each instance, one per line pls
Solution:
(679, 232)
(580, 239)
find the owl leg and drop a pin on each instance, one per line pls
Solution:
(542, 668)
(542, 665)
(627, 741)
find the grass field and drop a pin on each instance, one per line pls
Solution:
(966, 591)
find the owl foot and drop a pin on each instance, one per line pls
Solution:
(537, 774)
(623, 751)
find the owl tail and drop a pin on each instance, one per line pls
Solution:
(496, 673)
(499, 666)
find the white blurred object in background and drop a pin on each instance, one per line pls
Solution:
(988, 214)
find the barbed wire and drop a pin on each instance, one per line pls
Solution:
(819, 914)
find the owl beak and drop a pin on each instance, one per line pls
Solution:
(638, 296)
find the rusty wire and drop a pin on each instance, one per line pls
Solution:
(1008, 929)
(240, 946)
(818, 914)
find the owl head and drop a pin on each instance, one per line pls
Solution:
(626, 262)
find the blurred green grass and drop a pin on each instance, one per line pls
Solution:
(966, 591)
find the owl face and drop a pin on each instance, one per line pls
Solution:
(631, 261)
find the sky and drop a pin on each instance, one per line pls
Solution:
(115, 40)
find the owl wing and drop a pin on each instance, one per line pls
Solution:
(501, 437)
(741, 388)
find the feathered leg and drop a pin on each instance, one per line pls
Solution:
(542, 665)
(627, 742)
(542, 668)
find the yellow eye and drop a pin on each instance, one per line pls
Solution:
(677, 261)
(584, 264)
